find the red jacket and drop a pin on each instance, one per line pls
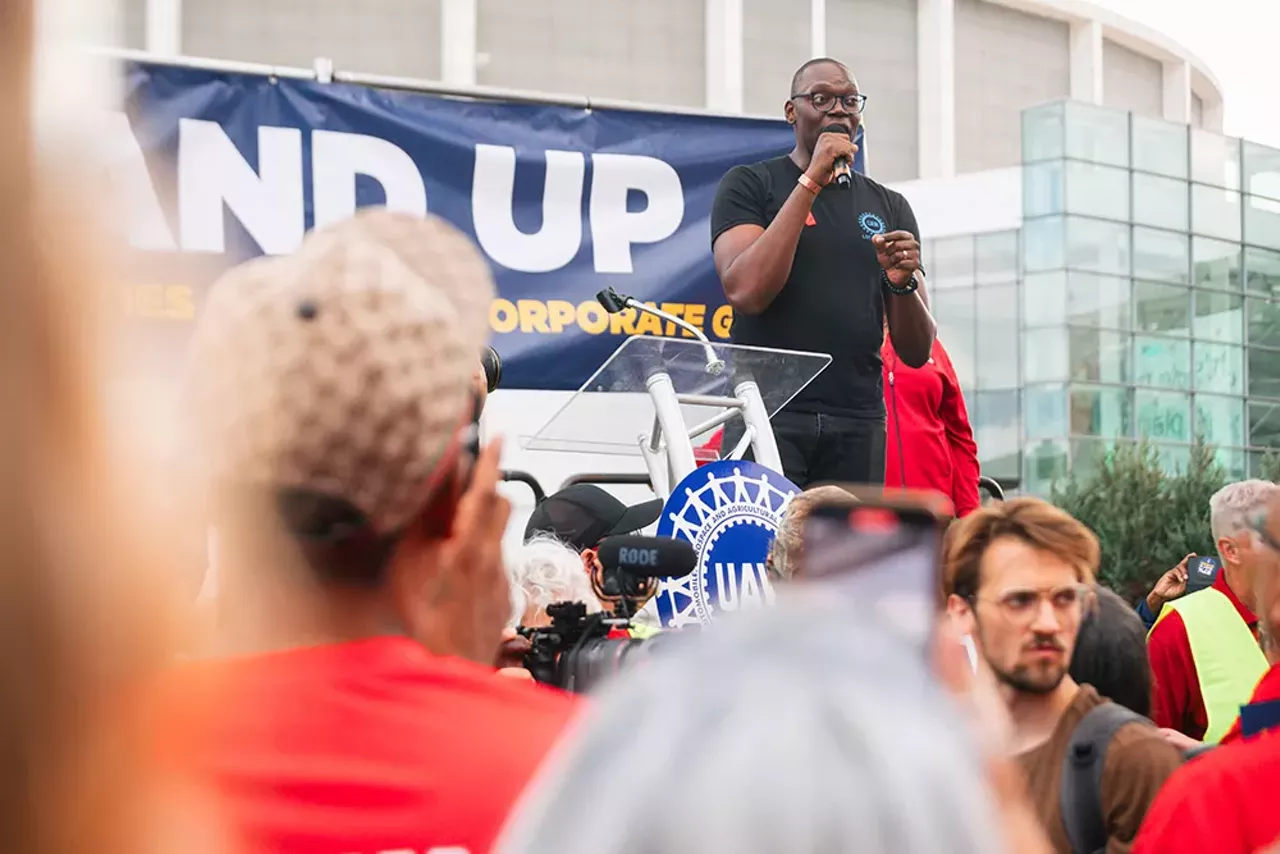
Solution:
(1220, 803)
(928, 420)
(1176, 701)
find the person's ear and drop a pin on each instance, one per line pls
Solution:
(435, 522)
(961, 614)
(789, 111)
(1228, 549)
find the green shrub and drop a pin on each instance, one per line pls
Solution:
(1146, 520)
(1271, 466)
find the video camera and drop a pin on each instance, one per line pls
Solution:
(575, 652)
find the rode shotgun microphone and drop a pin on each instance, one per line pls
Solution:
(647, 557)
(843, 169)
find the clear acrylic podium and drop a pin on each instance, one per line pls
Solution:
(655, 396)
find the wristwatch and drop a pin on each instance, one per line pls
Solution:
(903, 291)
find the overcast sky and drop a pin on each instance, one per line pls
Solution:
(1238, 40)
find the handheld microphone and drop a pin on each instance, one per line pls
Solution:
(647, 557)
(843, 169)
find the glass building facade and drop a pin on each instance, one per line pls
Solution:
(1141, 298)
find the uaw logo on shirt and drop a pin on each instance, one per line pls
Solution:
(729, 511)
(871, 225)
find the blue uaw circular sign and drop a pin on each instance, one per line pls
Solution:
(729, 512)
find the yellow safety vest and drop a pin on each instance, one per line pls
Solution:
(1228, 660)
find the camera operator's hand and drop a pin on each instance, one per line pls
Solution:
(1170, 586)
(517, 673)
(512, 651)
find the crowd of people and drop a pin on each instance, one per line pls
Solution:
(357, 690)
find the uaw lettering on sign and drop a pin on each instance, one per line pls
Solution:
(564, 201)
(729, 511)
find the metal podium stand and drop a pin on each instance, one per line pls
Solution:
(681, 389)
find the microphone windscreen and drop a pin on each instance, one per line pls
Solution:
(611, 300)
(492, 364)
(648, 557)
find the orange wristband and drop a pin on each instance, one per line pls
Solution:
(809, 184)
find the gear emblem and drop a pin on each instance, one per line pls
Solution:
(871, 225)
(729, 511)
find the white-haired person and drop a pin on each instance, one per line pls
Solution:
(789, 730)
(545, 571)
(1205, 658)
(542, 571)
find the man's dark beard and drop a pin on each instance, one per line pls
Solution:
(1020, 680)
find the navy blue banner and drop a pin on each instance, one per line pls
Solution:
(563, 201)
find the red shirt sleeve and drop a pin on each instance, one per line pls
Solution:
(964, 450)
(1175, 697)
(1187, 818)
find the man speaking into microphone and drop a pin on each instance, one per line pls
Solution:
(812, 256)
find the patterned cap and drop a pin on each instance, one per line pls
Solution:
(344, 369)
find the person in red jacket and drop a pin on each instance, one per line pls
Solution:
(1224, 802)
(929, 443)
(1179, 699)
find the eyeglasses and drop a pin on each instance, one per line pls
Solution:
(825, 102)
(1021, 605)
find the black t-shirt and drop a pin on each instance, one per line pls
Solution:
(832, 301)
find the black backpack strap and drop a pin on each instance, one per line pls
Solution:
(1081, 794)
(1197, 751)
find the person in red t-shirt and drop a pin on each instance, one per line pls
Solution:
(1178, 699)
(929, 443)
(355, 708)
(1224, 802)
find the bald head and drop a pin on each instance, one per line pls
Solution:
(823, 93)
(798, 80)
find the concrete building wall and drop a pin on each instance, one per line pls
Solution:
(1131, 81)
(775, 42)
(1006, 61)
(877, 40)
(652, 51)
(400, 37)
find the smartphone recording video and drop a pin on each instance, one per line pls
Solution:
(882, 558)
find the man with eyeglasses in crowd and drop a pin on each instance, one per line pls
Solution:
(808, 264)
(1018, 579)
